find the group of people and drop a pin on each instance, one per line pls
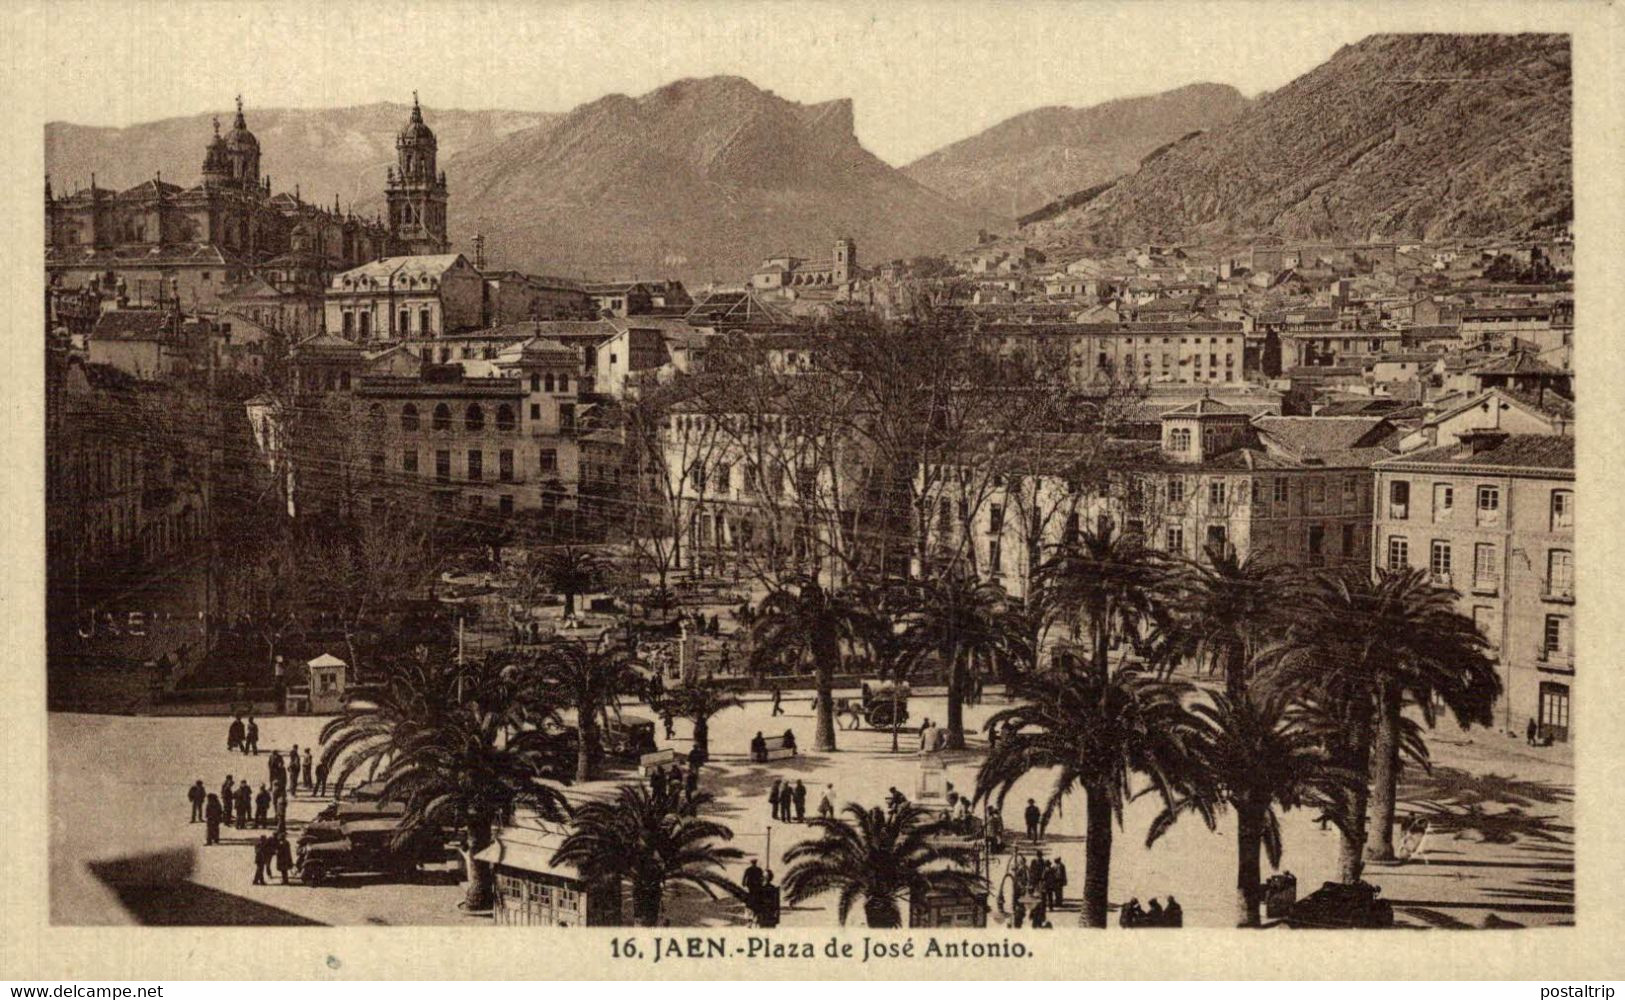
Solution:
(1536, 736)
(761, 895)
(789, 801)
(272, 849)
(1153, 915)
(245, 738)
(1036, 887)
(674, 782)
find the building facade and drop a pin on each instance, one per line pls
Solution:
(1491, 516)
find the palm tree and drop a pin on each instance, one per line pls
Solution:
(811, 621)
(1107, 584)
(880, 858)
(1227, 608)
(1098, 730)
(587, 680)
(639, 838)
(698, 703)
(471, 772)
(961, 623)
(460, 745)
(570, 571)
(1367, 644)
(1258, 754)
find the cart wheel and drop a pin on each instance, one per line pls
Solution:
(313, 875)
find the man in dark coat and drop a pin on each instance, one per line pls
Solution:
(778, 695)
(284, 855)
(263, 852)
(321, 777)
(293, 770)
(799, 795)
(234, 734)
(245, 804)
(251, 737)
(310, 784)
(277, 772)
(1060, 882)
(211, 816)
(228, 799)
(774, 795)
(753, 878)
(197, 795)
(1032, 815)
(262, 807)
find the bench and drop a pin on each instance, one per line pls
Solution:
(774, 749)
(660, 758)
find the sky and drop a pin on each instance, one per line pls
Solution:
(921, 75)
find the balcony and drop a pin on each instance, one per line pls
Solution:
(1444, 581)
(1399, 511)
(1487, 586)
(1555, 659)
(1557, 592)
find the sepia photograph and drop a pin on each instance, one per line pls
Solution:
(995, 467)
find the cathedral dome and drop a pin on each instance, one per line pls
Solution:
(414, 132)
(240, 138)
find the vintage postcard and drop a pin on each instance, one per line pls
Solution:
(730, 490)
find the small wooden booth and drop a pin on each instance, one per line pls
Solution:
(329, 677)
(532, 891)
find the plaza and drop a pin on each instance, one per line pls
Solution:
(1502, 850)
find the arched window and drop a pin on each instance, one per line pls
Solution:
(409, 417)
(549, 382)
(535, 383)
(504, 417)
(442, 417)
(474, 418)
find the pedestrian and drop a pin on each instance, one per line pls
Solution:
(657, 782)
(758, 748)
(262, 807)
(1032, 816)
(263, 852)
(799, 795)
(666, 720)
(310, 786)
(1153, 913)
(211, 816)
(276, 770)
(293, 770)
(251, 737)
(1529, 732)
(753, 879)
(1173, 914)
(774, 794)
(245, 805)
(197, 795)
(234, 734)
(284, 855)
(228, 798)
(1060, 881)
(321, 777)
(826, 803)
(778, 695)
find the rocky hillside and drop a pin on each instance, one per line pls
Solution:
(700, 178)
(1034, 158)
(1398, 135)
(342, 151)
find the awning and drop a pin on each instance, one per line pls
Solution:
(527, 857)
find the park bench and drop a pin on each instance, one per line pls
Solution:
(660, 758)
(774, 749)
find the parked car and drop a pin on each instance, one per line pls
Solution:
(382, 846)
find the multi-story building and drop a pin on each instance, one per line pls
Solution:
(406, 298)
(1289, 489)
(1491, 516)
(1193, 353)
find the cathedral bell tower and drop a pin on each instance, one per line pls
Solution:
(416, 191)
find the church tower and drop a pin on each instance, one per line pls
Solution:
(417, 191)
(242, 154)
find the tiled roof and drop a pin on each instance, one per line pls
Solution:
(1519, 451)
(1520, 363)
(143, 255)
(1320, 435)
(133, 324)
(417, 266)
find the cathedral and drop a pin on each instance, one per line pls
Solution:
(228, 243)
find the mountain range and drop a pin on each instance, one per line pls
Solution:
(1026, 161)
(1407, 136)
(1397, 135)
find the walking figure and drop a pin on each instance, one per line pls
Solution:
(800, 797)
(211, 817)
(197, 795)
(778, 706)
(251, 737)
